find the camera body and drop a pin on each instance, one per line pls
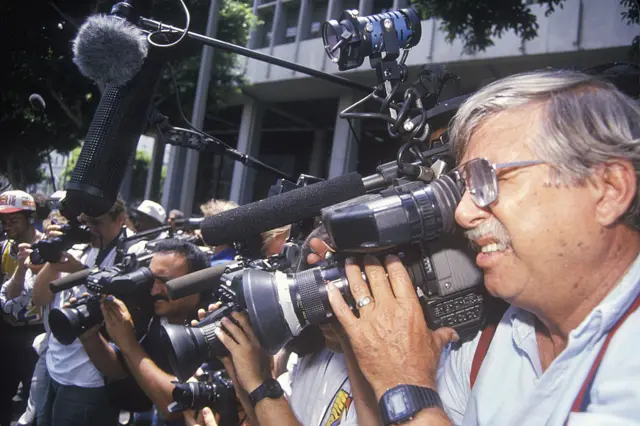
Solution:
(126, 281)
(213, 389)
(51, 250)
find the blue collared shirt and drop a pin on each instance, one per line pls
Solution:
(224, 256)
(511, 388)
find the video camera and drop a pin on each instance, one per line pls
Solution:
(129, 281)
(52, 249)
(212, 389)
(408, 211)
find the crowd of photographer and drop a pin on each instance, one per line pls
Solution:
(297, 326)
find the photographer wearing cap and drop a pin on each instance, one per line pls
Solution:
(149, 215)
(146, 360)
(550, 161)
(21, 321)
(77, 394)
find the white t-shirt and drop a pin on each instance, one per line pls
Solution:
(318, 389)
(69, 364)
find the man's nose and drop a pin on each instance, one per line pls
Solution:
(468, 214)
(158, 288)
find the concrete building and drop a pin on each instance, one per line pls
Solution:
(290, 120)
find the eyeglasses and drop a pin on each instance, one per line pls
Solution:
(480, 179)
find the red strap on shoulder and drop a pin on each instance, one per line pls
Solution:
(586, 386)
(481, 351)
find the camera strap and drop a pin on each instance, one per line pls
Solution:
(582, 399)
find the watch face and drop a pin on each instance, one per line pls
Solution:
(398, 405)
(273, 388)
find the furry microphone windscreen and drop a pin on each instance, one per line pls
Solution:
(109, 49)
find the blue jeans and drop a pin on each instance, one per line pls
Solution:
(76, 406)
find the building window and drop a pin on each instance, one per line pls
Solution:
(263, 32)
(291, 12)
(381, 6)
(318, 16)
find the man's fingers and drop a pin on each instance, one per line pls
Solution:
(445, 335)
(358, 286)
(212, 307)
(340, 307)
(235, 331)
(400, 280)
(226, 340)
(209, 419)
(377, 277)
(201, 315)
(313, 259)
(243, 320)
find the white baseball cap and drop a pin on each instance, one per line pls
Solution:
(152, 209)
(15, 201)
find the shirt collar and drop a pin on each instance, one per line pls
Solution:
(599, 321)
(615, 304)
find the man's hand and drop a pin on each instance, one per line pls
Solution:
(118, 322)
(205, 418)
(252, 363)
(390, 340)
(53, 231)
(24, 250)
(68, 264)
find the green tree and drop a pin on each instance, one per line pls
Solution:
(139, 176)
(478, 22)
(40, 61)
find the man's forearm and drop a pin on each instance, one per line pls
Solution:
(364, 398)
(430, 417)
(15, 284)
(155, 383)
(42, 295)
(275, 412)
(104, 357)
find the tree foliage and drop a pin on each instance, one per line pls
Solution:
(478, 22)
(40, 61)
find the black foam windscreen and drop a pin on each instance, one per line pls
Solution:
(196, 282)
(70, 281)
(273, 212)
(112, 140)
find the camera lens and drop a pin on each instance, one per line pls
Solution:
(67, 324)
(189, 347)
(281, 305)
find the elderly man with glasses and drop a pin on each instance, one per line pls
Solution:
(550, 162)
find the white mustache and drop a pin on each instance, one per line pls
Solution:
(490, 227)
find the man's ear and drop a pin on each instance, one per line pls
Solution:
(122, 219)
(615, 184)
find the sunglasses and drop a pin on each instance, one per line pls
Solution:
(480, 179)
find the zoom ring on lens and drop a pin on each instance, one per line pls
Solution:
(424, 200)
(309, 282)
(448, 196)
(209, 333)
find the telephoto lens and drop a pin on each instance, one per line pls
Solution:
(188, 347)
(67, 324)
(212, 389)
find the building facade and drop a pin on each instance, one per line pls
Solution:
(290, 120)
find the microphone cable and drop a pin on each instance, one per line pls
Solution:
(187, 16)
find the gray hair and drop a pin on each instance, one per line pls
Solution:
(584, 123)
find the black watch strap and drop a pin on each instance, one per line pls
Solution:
(403, 402)
(270, 388)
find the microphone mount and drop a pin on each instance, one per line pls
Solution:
(155, 26)
(200, 141)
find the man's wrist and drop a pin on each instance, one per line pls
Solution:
(382, 387)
